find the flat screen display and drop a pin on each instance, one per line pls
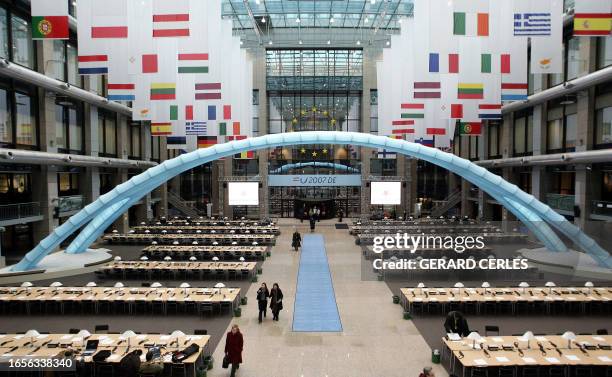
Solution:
(243, 193)
(386, 193)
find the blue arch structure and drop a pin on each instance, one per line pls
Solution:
(316, 164)
(98, 215)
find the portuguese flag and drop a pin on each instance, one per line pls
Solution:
(470, 128)
(50, 27)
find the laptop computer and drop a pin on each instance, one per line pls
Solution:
(91, 347)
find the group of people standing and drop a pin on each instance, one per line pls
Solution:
(276, 301)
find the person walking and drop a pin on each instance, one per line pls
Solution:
(234, 343)
(262, 300)
(276, 301)
(296, 242)
(427, 372)
(313, 223)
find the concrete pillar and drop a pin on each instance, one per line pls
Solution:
(122, 223)
(259, 84)
(370, 57)
(144, 210)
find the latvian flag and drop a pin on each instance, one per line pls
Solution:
(208, 91)
(163, 91)
(121, 92)
(490, 111)
(176, 142)
(514, 91)
(206, 141)
(93, 64)
(192, 63)
(170, 25)
(413, 110)
(402, 127)
(161, 129)
(427, 89)
(195, 128)
(470, 91)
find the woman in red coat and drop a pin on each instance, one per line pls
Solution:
(233, 348)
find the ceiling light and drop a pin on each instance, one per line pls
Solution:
(358, 42)
(263, 19)
(297, 20)
(300, 42)
(372, 1)
(331, 20)
(399, 20)
(366, 20)
(388, 43)
(328, 42)
(270, 42)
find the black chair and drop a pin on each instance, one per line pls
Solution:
(505, 372)
(200, 332)
(178, 370)
(101, 329)
(206, 308)
(530, 372)
(73, 331)
(556, 372)
(479, 372)
(582, 371)
(602, 332)
(104, 369)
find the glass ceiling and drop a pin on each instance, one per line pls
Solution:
(368, 14)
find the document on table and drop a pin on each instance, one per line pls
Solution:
(552, 360)
(502, 359)
(529, 360)
(572, 357)
(480, 362)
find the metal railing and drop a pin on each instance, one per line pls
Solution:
(19, 211)
(560, 201)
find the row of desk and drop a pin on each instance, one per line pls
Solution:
(45, 346)
(204, 239)
(415, 298)
(197, 229)
(514, 352)
(205, 252)
(227, 270)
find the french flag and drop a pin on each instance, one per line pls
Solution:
(121, 92)
(93, 64)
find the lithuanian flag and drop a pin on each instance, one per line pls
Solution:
(470, 128)
(163, 91)
(470, 91)
(161, 129)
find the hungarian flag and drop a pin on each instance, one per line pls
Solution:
(470, 128)
(49, 19)
(413, 110)
(592, 18)
(206, 141)
(192, 63)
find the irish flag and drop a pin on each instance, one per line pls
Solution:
(49, 19)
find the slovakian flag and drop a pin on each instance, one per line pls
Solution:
(514, 91)
(170, 25)
(161, 129)
(93, 64)
(593, 18)
(490, 111)
(206, 141)
(470, 128)
(208, 91)
(49, 19)
(163, 91)
(121, 92)
(413, 110)
(470, 91)
(192, 63)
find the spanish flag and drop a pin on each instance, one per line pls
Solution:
(161, 129)
(592, 18)
(206, 141)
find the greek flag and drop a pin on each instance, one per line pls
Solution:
(532, 24)
(195, 128)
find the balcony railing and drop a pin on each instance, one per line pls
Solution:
(600, 207)
(19, 211)
(560, 201)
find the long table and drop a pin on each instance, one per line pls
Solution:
(222, 252)
(543, 351)
(208, 229)
(52, 345)
(125, 268)
(129, 297)
(509, 295)
(224, 239)
(418, 228)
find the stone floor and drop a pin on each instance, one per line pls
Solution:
(375, 342)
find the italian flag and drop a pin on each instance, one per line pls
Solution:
(49, 19)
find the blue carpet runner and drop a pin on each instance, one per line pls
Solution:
(315, 307)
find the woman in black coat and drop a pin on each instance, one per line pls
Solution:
(276, 301)
(262, 300)
(296, 242)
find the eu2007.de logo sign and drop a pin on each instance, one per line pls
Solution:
(45, 27)
(318, 180)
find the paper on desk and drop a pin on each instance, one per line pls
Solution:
(502, 359)
(141, 337)
(453, 336)
(599, 338)
(107, 341)
(541, 338)
(572, 357)
(497, 339)
(7, 354)
(604, 359)
(164, 337)
(113, 357)
(43, 336)
(552, 360)
(529, 360)
(18, 336)
(480, 362)
(66, 336)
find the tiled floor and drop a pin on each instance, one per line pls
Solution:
(375, 342)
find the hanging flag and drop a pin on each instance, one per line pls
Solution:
(470, 91)
(383, 154)
(222, 129)
(471, 24)
(429, 89)
(188, 112)
(163, 91)
(208, 91)
(456, 111)
(174, 112)
(489, 111)
(532, 24)
(413, 110)
(49, 19)
(514, 91)
(149, 63)
(120, 92)
(505, 63)
(176, 142)
(546, 56)
(236, 128)
(192, 63)
(470, 128)
(212, 112)
(170, 25)
(425, 142)
(109, 32)
(435, 131)
(401, 127)
(206, 141)
(227, 112)
(195, 128)
(435, 66)
(161, 129)
(93, 64)
(485, 63)
(592, 18)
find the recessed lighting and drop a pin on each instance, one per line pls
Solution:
(399, 21)
(270, 43)
(328, 42)
(366, 20)
(263, 19)
(388, 43)
(300, 42)
(358, 42)
(331, 20)
(298, 20)
(372, 1)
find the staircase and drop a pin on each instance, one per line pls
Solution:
(451, 201)
(179, 204)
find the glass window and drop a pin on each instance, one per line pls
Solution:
(55, 65)
(576, 65)
(555, 134)
(75, 128)
(4, 38)
(494, 140)
(603, 126)
(519, 135)
(6, 127)
(474, 147)
(135, 140)
(25, 122)
(23, 48)
(72, 65)
(155, 147)
(571, 122)
(100, 134)
(529, 135)
(604, 51)
(61, 137)
(110, 135)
